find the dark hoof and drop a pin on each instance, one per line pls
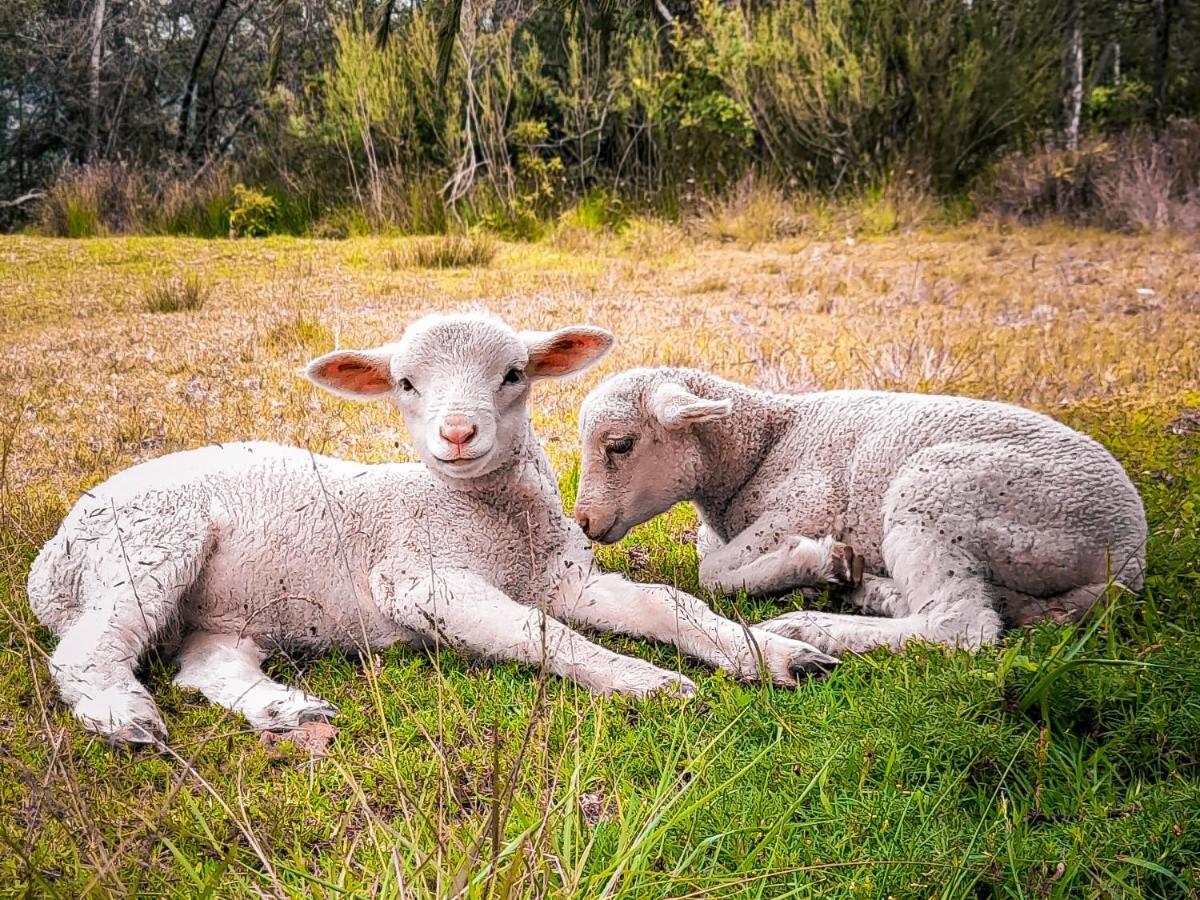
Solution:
(320, 714)
(847, 565)
(812, 668)
(137, 734)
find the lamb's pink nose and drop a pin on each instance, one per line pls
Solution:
(457, 429)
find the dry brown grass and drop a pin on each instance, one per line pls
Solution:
(1042, 317)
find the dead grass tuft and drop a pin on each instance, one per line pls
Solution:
(1137, 182)
(179, 293)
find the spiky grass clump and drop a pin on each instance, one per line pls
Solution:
(179, 293)
(450, 251)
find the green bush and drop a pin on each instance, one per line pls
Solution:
(843, 93)
(253, 213)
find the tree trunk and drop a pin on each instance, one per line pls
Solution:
(275, 53)
(1073, 99)
(383, 23)
(189, 87)
(1162, 54)
(93, 138)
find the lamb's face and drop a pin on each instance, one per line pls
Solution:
(640, 454)
(462, 388)
(462, 384)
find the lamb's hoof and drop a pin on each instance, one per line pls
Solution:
(294, 711)
(142, 733)
(647, 680)
(847, 565)
(678, 688)
(125, 716)
(813, 666)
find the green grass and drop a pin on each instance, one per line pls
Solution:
(1064, 762)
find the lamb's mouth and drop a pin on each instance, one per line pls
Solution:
(611, 534)
(464, 466)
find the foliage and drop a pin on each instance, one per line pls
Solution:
(844, 94)
(430, 116)
(253, 213)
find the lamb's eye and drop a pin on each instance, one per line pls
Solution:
(620, 446)
(406, 386)
(513, 376)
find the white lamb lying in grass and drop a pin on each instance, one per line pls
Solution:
(965, 513)
(226, 554)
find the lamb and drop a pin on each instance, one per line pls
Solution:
(947, 516)
(224, 555)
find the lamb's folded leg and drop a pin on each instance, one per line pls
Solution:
(966, 625)
(707, 541)
(613, 603)
(461, 610)
(227, 670)
(759, 564)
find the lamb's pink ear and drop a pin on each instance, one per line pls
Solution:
(357, 374)
(566, 351)
(677, 407)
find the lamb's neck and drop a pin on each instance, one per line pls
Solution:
(733, 448)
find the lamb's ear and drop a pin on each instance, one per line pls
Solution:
(677, 407)
(357, 374)
(566, 351)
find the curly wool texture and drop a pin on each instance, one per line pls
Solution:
(276, 544)
(964, 510)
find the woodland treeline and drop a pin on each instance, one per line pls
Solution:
(337, 116)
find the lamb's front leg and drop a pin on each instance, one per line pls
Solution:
(227, 670)
(613, 603)
(789, 546)
(461, 610)
(770, 556)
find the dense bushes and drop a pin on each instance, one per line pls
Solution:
(503, 115)
(1130, 182)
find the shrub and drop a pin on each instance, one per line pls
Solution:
(841, 92)
(1135, 182)
(185, 293)
(340, 223)
(453, 251)
(752, 213)
(102, 198)
(199, 207)
(598, 210)
(254, 213)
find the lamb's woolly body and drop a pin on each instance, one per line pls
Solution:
(954, 498)
(227, 554)
(282, 542)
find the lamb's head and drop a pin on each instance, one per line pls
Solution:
(462, 384)
(641, 449)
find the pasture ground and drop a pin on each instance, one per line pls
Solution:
(1065, 762)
